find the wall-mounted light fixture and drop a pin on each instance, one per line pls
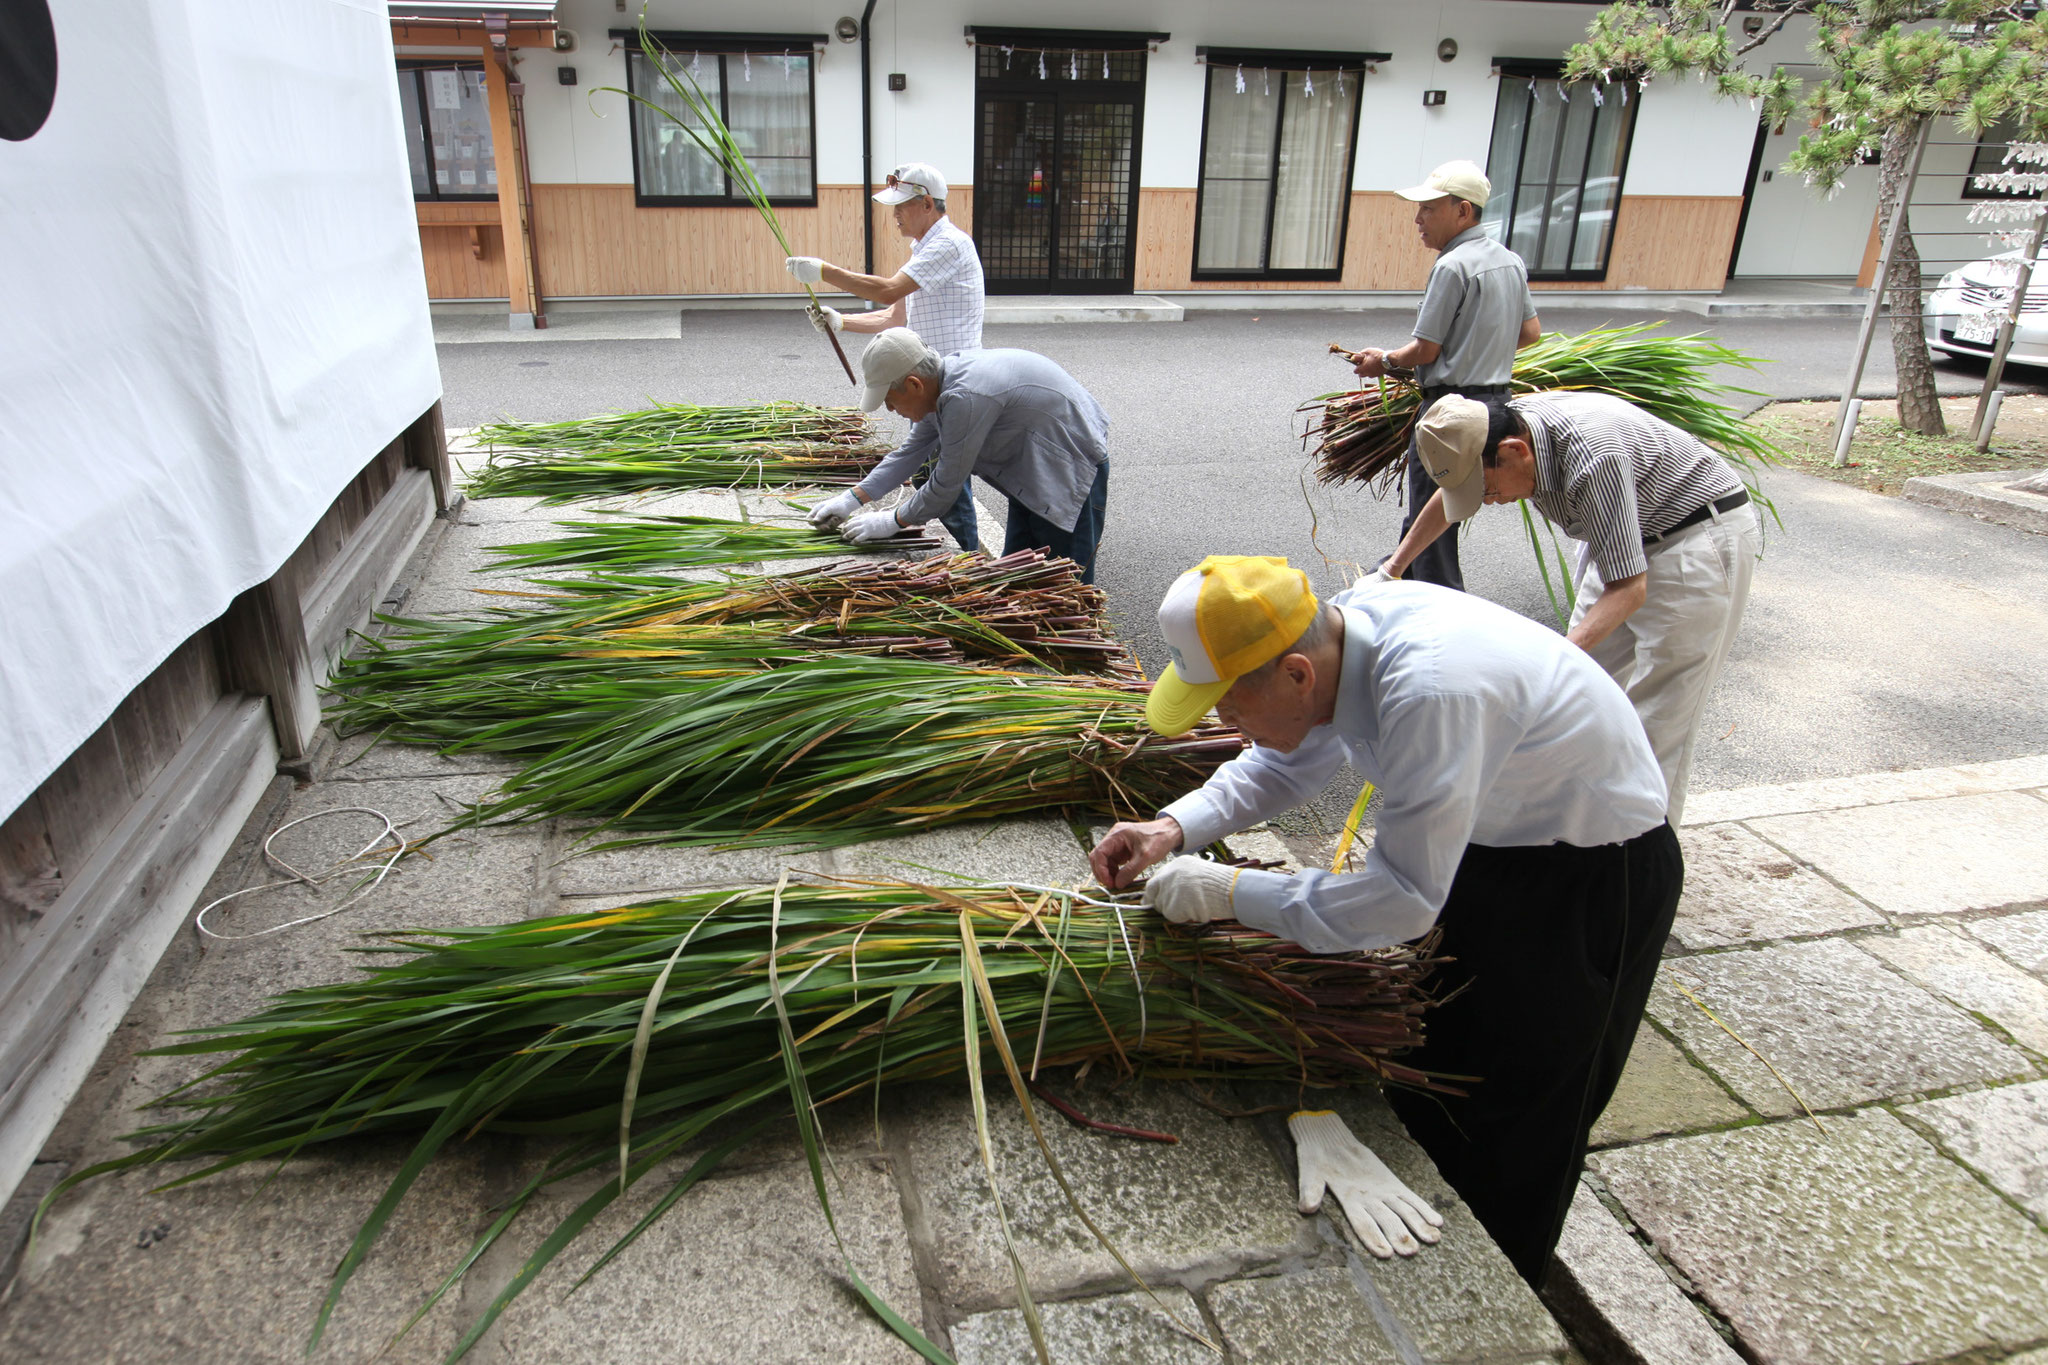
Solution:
(1432, 98)
(1447, 49)
(565, 41)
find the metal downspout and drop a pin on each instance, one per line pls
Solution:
(867, 145)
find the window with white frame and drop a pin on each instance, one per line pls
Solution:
(448, 130)
(1278, 131)
(762, 92)
(1556, 164)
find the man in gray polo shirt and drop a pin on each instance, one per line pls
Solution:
(1476, 313)
(1014, 418)
(1670, 539)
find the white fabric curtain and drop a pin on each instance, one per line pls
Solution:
(671, 163)
(768, 107)
(217, 316)
(1237, 169)
(1315, 173)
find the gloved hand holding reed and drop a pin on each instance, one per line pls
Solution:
(631, 1034)
(1361, 435)
(625, 544)
(677, 446)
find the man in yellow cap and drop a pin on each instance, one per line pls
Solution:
(1476, 313)
(1522, 813)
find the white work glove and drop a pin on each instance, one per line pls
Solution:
(807, 269)
(826, 320)
(877, 523)
(835, 509)
(1380, 575)
(1387, 1216)
(1191, 890)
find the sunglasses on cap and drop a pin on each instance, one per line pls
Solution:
(893, 182)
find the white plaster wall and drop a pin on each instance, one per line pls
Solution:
(1685, 143)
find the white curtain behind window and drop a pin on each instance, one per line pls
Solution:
(768, 107)
(670, 163)
(1237, 170)
(1315, 174)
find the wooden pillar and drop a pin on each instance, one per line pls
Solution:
(511, 206)
(426, 447)
(263, 652)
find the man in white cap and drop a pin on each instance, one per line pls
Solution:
(1670, 539)
(1476, 313)
(1014, 418)
(939, 294)
(1522, 815)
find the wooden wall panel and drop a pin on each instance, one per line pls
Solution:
(449, 236)
(1661, 242)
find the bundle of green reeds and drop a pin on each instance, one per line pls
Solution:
(1023, 609)
(677, 446)
(630, 1035)
(832, 750)
(1361, 435)
(626, 544)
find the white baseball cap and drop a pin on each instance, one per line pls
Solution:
(910, 180)
(1460, 178)
(893, 354)
(1450, 438)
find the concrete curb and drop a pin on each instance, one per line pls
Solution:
(1984, 496)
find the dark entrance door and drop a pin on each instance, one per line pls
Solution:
(1056, 164)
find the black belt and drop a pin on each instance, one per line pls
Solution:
(1698, 515)
(1432, 392)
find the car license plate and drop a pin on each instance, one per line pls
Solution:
(1981, 328)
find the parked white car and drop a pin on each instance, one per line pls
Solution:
(1968, 304)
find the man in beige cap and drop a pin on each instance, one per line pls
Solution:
(1670, 539)
(1522, 816)
(938, 294)
(1476, 313)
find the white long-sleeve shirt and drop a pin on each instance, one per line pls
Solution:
(1477, 726)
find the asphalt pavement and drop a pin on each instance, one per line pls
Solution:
(1880, 635)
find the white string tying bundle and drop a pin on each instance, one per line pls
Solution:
(294, 877)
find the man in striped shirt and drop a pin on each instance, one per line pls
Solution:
(1669, 539)
(938, 294)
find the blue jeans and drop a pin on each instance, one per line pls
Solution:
(1029, 531)
(959, 519)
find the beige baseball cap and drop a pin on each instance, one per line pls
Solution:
(891, 355)
(1460, 178)
(1449, 439)
(910, 180)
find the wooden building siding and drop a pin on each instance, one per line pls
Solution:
(594, 241)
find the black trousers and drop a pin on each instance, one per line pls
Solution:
(1560, 946)
(1438, 562)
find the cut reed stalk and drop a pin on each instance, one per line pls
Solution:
(626, 544)
(630, 1035)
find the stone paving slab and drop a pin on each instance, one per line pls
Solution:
(742, 1267)
(1971, 978)
(2002, 1134)
(1035, 849)
(367, 757)
(1216, 1200)
(1661, 1092)
(1622, 1298)
(1840, 1028)
(1739, 889)
(1861, 1245)
(1315, 1317)
(2021, 936)
(1866, 789)
(232, 1269)
(1927, 857)
(462, 580)
(645, 871)
(1129, 1329)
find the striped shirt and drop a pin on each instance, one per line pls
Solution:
(945, 308)
(1611, 474)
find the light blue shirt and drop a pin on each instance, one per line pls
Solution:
(1478, 726)
(1016, 419)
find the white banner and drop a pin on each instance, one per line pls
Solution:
(216, 316)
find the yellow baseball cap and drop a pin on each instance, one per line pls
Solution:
(1222, 619)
